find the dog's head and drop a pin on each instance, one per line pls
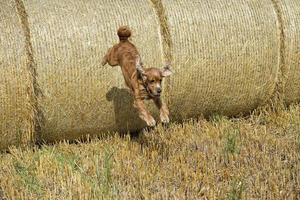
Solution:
(152, 78)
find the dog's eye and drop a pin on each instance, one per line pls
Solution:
(152, 81)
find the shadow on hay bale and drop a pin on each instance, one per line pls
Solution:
(126, 116)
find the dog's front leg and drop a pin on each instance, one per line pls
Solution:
(144, 113)
(163, 109)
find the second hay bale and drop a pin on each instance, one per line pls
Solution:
(290, 16)
(225, 55)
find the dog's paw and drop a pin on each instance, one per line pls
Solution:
(151, 122)
(164, 119)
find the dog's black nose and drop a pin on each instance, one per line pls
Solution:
(158, 90)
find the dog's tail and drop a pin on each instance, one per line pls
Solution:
(124, 33)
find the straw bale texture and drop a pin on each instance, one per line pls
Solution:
(69, 39)
(228, 57)
(290, 14)
(225, 55)
(16, 110)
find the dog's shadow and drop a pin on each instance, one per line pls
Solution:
(126, 116)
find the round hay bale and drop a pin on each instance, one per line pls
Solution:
(69, 38)
(16, 110)
(225, 55)
(289, 12)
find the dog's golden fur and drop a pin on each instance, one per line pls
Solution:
(144, 83)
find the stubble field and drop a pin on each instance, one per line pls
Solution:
(254, 157)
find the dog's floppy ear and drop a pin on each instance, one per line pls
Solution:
(140, 69)
(166, 71)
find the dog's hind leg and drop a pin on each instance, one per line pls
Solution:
(110, 58)
(104, 60)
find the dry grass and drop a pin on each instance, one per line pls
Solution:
(249, 158)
